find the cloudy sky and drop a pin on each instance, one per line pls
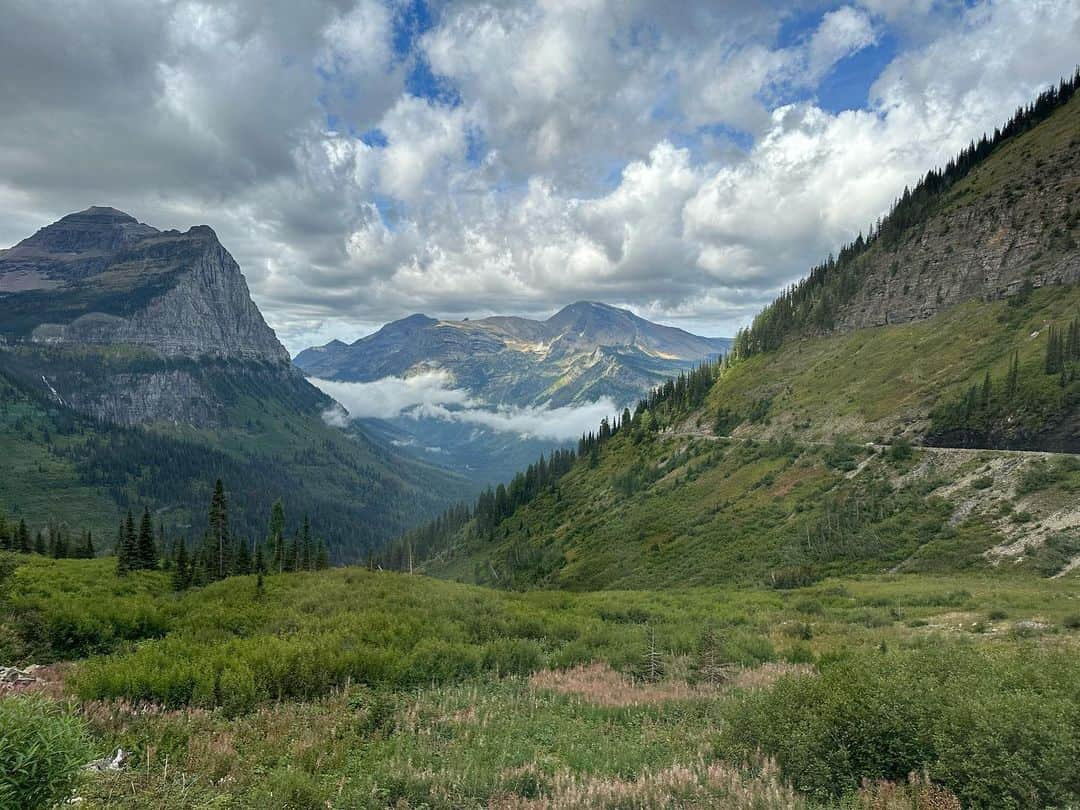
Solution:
(366, 159)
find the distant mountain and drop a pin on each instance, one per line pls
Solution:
(581, 353)
(584, 353)
(135, 368)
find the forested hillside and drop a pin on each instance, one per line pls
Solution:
(831, 442)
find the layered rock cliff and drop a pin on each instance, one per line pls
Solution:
(142, 308)
(1014, 221)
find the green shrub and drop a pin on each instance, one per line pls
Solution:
(900, 449)
(42, 748)
(792, 576)
(999, 729)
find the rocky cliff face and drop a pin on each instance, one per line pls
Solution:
(208, 312)
(1014, 221)
(100, 286)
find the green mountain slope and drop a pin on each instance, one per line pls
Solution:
(795, 460)
(273, 444)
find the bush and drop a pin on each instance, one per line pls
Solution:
(900, 449)
(999, 729)
(42, 748)
(792, 576)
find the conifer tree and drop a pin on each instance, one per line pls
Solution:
(306, 551)
(243, 557)
(1012, 381)
(276, 536)
(88, 551)
(145, 554)
(260, 562)
(120, 550)
(218, 531)
(22, 538)
(292, 553)
(181, 575)
(61, 546)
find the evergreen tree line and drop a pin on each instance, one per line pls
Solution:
(814, 301)
(174, 470)
(991, 413)
(222, 552)
(1063, 348)
(55, 540)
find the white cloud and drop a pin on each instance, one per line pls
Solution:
(431, 395)
(554, 424)
(841, 33)
(391, 396)
(590, 155)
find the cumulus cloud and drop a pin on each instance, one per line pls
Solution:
(511, 156)
(431, 395)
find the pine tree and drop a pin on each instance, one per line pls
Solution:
(243, 557)
(88, 551)
(1012, 381)
(5, 534)
(145, 556)
(292, 553)
(260, 562)
(1054, 351)
(218, 531)
(181, 575)
(322, 557)
(123, 564)
(306, 552)
(61, 546)
(276, 536)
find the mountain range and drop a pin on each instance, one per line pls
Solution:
(136, 370)
(582, 353)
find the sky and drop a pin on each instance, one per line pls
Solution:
(367, 159)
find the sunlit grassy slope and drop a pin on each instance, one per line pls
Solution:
(873, 383)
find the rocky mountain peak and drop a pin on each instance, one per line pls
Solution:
(98, 229)
(100, 277)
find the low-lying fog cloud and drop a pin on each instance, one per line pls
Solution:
(431, 395)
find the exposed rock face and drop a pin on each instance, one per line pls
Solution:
(1013, 221)
(172, 395)
(101, 282)
(76, 246)
(208, 312)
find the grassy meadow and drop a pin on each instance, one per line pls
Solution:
(353, 688)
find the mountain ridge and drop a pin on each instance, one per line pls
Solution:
(579, 337)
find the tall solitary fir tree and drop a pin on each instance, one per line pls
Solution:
(218, 530)
(145, 552)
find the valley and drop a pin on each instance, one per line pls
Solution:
(830, 563)
(498, 392)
